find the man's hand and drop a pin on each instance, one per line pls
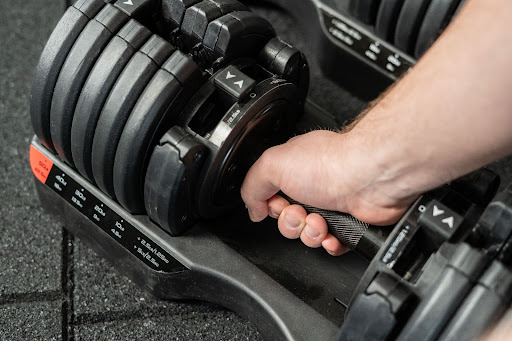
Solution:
(324, 170)
(447, 117)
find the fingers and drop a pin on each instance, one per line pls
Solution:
(333, 246)
(260, 185)
(314, 231)
(276, 205)
(292, 221)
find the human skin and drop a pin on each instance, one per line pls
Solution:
(451, 114)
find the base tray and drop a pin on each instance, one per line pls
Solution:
(285, 289)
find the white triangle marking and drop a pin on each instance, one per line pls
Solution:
(128, 2)
(448, 221)
(437, 211)
(230, 75)
(239, 83)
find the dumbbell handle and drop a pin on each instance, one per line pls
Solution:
(361, 237)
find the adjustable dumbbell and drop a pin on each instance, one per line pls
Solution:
(129, 89)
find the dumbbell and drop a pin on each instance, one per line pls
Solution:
(131, 87)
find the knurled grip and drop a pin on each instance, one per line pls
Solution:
(347, 229)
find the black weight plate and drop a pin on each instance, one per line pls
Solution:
(235, 35)
(96, 89)
(409, 23)
(54, 54)
(197, 18)
(173, 11)
(155, 112)
(438, 15)
(387, 17)
(170, 200)
(120, 102)
(364, 10)
(74, 72)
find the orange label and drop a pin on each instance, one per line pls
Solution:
(40, 164)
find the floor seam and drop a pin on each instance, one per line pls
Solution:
(31, 297)
(68, 286)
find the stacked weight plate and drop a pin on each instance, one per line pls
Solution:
(410, 25)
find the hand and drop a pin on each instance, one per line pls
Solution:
(327, 170)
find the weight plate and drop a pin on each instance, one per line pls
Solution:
(155, 112)
(173, 11)
(97, 88)
(54, 54)
(198, 17)
(364, 10)
(409, 23)
(387, 17)
(74, 72)
(118, 106)
(437, 17)
(235, 35)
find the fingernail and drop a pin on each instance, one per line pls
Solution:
(330, 252)
(291, 222)
(311, 232)
(273, 213)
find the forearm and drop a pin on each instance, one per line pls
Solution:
(452, 113)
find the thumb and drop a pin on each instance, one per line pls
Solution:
(261, 183)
